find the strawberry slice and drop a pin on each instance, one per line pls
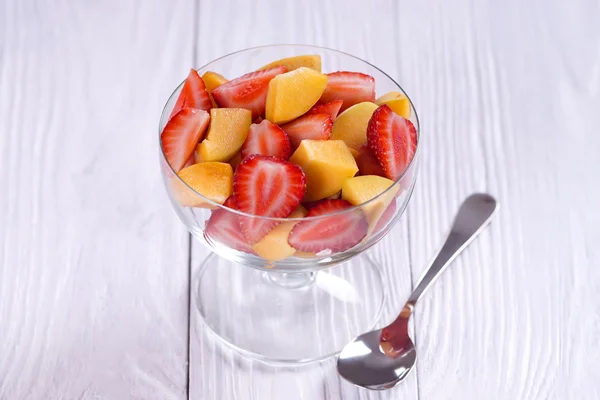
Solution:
(192, 95)
(267, 139)
(332, 108)
(337, 233)
(248, 91)
(224, 226)
(181, 135)
(191, 161)
(393, 140)
(309, 126)
(367, 162)
(386, 216)
(269, 187)
(311, 204)
(230, 203)
(351, 87)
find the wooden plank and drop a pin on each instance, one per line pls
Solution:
(509, 96)
(217, 372)
(94, 264)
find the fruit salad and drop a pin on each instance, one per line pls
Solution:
(294, 151)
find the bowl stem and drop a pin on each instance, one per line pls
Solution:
(291, 280)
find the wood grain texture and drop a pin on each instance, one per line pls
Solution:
(509, 96)
(93, 270)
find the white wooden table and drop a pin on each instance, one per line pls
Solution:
(95, 268)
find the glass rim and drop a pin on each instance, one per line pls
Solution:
(216, 205)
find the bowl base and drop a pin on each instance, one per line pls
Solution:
(289, 318)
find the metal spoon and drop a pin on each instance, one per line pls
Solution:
(382, 358)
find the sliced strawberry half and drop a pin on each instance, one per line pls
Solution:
(393, 140)
(337, 233)
(332, 108)
(309, 126)
(367, 162)
(310, 204)
(181, 135)
(351, 87)
(268, 187)
(224, 226)
(386, 216)
(248, 91)
(191, 161)
(193, 94)
(267, 139)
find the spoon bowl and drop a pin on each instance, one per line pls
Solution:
(364, 362)
(383, 358)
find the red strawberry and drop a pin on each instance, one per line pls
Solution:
(181, 135)
(224, 226)
(309, 126)
(367, 162)
(386, 216)
(248, 91)
(338, 232)
(193, 94)
(393, 140)
(269, 187)
(267, 139)
(311, 204)
(351, 87)
(230, 203)
(190, 161)
(332, 108)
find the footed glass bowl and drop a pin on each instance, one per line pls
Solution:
(294, 309)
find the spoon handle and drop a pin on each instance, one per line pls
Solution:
(474, 214)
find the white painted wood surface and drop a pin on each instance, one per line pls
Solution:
(94, 273)
(93, 266)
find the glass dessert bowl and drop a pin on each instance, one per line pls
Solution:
(268, 289)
